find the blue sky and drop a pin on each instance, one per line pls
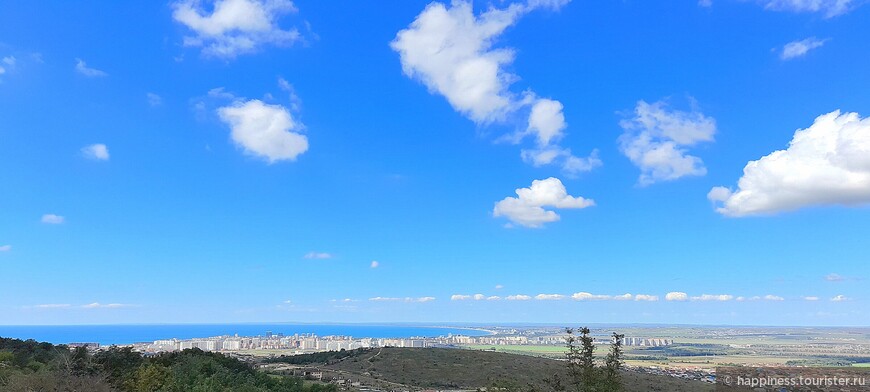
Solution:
(246, 161)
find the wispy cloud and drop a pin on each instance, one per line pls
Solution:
(154, 99)
(97, 305)
(400, 299)
(82, 68)
(518, 297)
(713, 297)
(318, 255)
(840, 298)
(374, 264)
(646, 297)
(97, 152)
(5, 248)
(52, 306)
(795, 49)
(53, 219)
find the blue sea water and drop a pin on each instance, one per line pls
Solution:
(127, 334)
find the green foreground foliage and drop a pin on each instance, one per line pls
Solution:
(32, 366)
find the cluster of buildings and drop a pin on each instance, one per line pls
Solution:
(297, 343)
(308, 343)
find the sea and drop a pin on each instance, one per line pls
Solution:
(129, 333)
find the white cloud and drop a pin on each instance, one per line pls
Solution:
(288, 301)
(499, 287)
(374, 264)
(549, 297)
(811, 298)
(771, 297)
(800, 48)
(711, 297)
(5, 248)
(832, 277)
(97, 152)
(825, 164)
(624, 297)
(676, 296)
(830, 8)
(405, 299)
(318, 255)
(463, 297)
(519, 297)
(528, 209)
(840, 298)
(235, 27)
(450, 51)
(52, 219)
(52, 306)
(9, 61)
(97, 305)
(82, 68)
(646, 297)
(154, 99)
(584, 296)
(705, 3)
(263, 130)
(493, 298)
(656, 141)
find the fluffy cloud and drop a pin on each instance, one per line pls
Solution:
(646, 297)
(82, 68)
(98, 152)
(711, 297)
(584, 296)
(800, 48)
(830, 8)
(839, 298)
(528, 209)
(52, 219)
(825, 164)
(656, 141)
(676, 296)
(374, 264)
(5, 248)
(770, 297)
(263, 130)
(549, 297)
(459, 297)
(318, 255)
(235, 26)
(519, 297)
(450, 51)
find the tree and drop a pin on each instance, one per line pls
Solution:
(612, 364)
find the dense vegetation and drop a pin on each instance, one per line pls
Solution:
(32, 366)
(324, 357)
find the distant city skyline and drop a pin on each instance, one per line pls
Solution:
(542, 161)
